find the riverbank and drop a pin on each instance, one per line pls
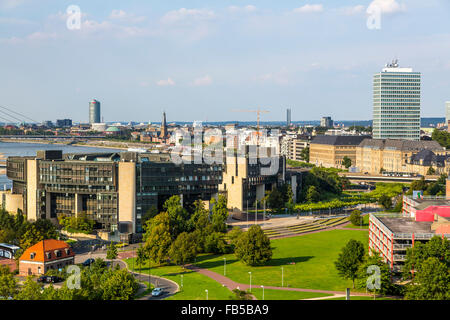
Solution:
(98, 144)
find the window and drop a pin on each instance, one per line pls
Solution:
(32, 255)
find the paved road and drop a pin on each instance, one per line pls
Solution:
(169, 287)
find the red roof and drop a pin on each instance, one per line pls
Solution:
(47, 250)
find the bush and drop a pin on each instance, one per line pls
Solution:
(355, 218)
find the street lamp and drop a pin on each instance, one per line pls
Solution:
(206, 294)
(250, 273)
(181, 282)
(282, 277)
(263, 291)
(224, 266)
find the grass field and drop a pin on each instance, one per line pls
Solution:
(194, 284)
(362, 298)
(307, 262)
(285, 295)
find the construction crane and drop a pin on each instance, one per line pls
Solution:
(258, 113)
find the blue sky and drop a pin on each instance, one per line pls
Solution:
(199, 60)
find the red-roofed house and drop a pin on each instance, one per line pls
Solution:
(45, 255)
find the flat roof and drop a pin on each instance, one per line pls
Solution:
(425, 203)
(9, 246)
(406, 225)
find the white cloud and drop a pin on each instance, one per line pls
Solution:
(168, 82)
(353, 10)
(309, 8)
(202, 81)
(279, 77)
(385, 6)
(121, 15)
(184, 14)
(39, 36)
(247, 8)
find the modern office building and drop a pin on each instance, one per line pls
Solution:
(94, 111)
(396, 103)
(245, 182)
(292, 146)
(114, 189)
(422, 218)
(326, 122)
(288, 117)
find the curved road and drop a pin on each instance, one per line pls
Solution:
(169, 287)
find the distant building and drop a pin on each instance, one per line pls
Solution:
(326, 122)
(330, 151)
(396, 103)
(447, 113)
(292, 147)
(44, 256)
(47, 124)
(288, 117)
(64, 123)
(94, 111)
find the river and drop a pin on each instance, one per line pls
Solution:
(8, 149)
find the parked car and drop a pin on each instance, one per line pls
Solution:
(157, 292)
(88, 262)
(49, 279)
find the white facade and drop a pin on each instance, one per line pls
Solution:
(396, 103)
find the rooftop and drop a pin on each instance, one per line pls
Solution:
(406, 225)
(339, 140)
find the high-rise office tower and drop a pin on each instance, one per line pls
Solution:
(447, 112)
(288, 117)
(396, 103)
(326, 122)
(94, 111)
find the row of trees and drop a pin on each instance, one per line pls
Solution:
(179, 235)
(429, 188)
(97, 282)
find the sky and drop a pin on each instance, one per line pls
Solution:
(203, 60)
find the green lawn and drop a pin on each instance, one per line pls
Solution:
(364, 226)
(307, 261)
(194, 284)
(362, 298)
(285, 295)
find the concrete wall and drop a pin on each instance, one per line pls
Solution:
(12, 202)
(32, 184)
(127, 193)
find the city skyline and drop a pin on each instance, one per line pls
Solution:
(140, 59)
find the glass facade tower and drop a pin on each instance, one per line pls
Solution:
(396, 103)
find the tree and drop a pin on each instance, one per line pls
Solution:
(253, 247)
(8, 284)
(111, 254)
(432, 282)
(355, 218)
(178, 216)
(363, 277)
(141, 256)
(118, 285)
(220, 214)
(200, 217)
(431, 171)
(42, 229)
(30, 290)
(350, 259)
(234, 236)
(215, 243)
(347, 162)
(183, 249)
(304, 154)
(275, 199)
(312, 195)
(157, 237)
(385, 201)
